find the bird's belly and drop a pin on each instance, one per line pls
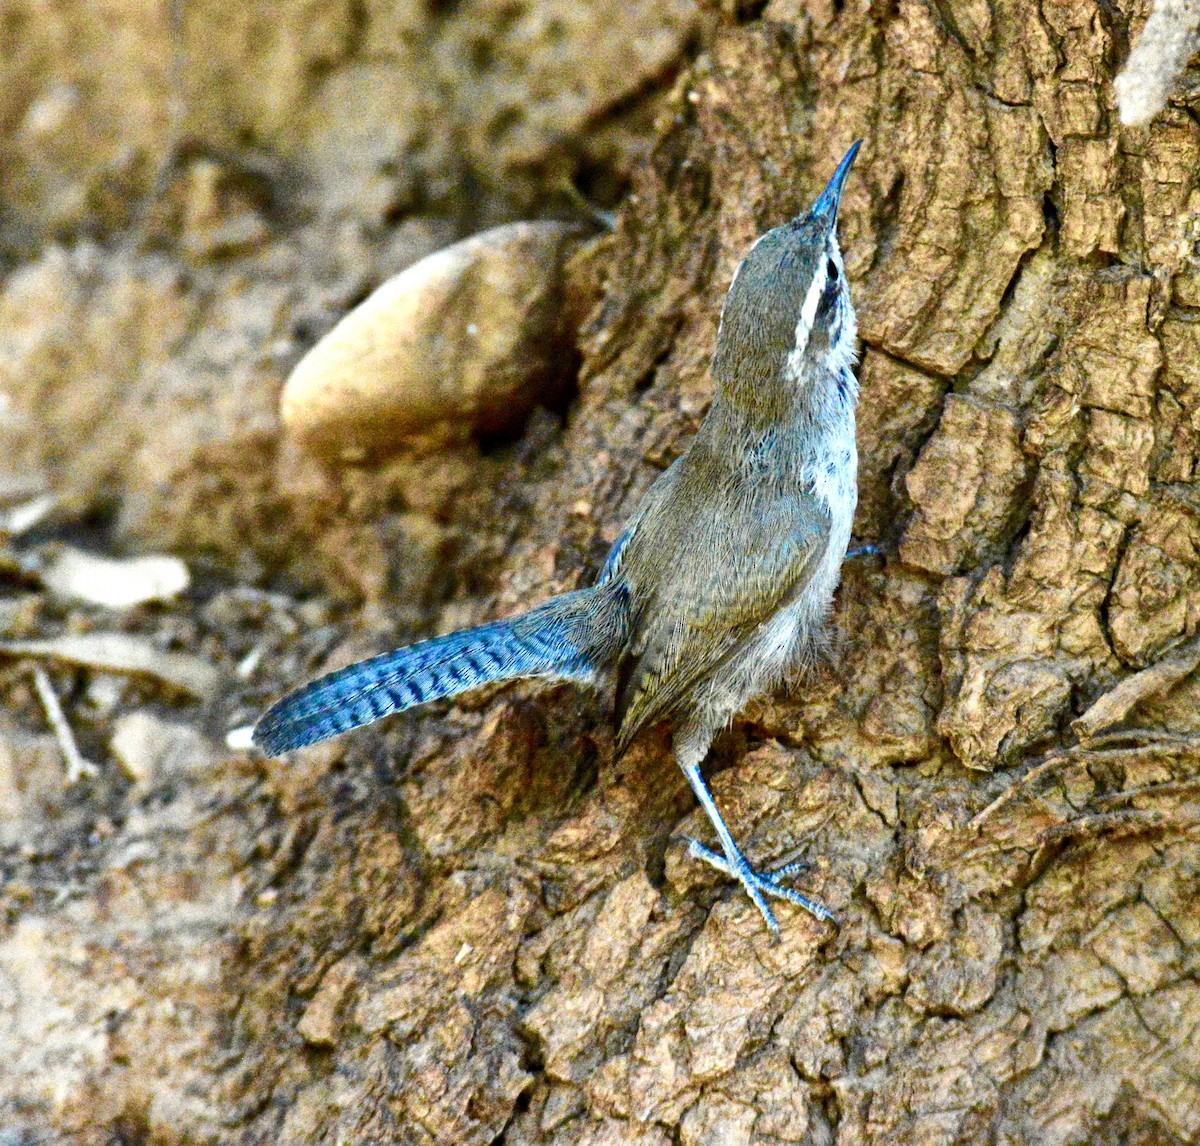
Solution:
(786, 643)
(758, 666)
(837, 486)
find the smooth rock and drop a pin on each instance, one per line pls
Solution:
(467, 339)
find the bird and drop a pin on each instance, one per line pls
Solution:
(719, 588)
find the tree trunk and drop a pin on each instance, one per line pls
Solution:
(471, 924)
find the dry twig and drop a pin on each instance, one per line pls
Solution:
(77, 765)
(1159, 678)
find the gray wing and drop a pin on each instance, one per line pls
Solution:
(653, 499)
(701, 587)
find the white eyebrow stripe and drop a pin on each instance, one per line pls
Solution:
(808, 314)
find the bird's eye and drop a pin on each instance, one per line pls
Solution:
(832, 285)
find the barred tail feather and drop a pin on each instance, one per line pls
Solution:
(572, 636)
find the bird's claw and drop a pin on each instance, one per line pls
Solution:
(758, 884)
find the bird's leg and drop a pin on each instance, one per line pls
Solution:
(690, 749)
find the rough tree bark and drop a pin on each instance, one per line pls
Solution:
(471, 925)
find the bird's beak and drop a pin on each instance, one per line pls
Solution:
(827, 202)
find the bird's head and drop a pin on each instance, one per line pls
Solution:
(788, 311)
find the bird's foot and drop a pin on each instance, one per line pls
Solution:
(758, 884)
(862, 551)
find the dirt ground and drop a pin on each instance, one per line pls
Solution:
(469, 924)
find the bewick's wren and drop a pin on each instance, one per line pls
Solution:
(719, 587)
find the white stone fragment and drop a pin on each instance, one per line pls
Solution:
(24, 517)
(115, 583)
(240, 739)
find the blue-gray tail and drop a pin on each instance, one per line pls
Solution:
(573, 637)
